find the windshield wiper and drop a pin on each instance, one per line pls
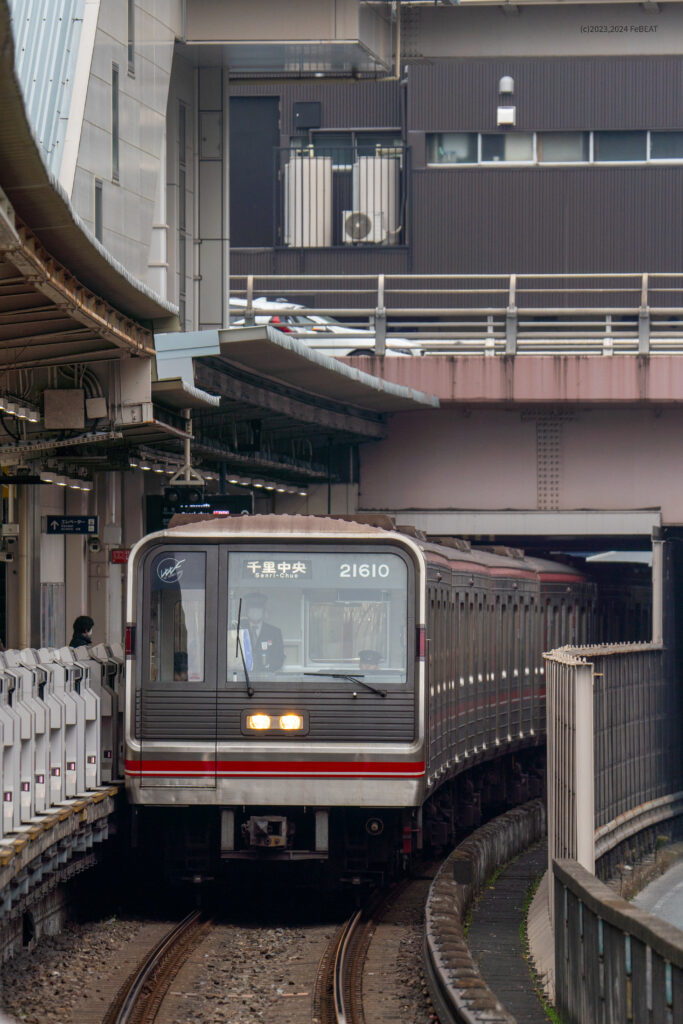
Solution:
(351, 679)
(240, 649)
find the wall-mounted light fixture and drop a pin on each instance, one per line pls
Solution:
(506, 113)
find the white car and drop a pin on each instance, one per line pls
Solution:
(323, 333)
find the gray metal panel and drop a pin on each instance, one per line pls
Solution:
(344, 104)
(550, 93)
(46, 36)
(561, 219)
(173, 715)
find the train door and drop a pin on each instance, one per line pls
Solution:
(177, 714)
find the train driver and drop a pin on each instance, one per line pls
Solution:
(369, 660)
(268, 650)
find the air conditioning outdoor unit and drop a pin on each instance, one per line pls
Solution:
(375, 193)
(363, 227)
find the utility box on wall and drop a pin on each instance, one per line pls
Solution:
(64, 409)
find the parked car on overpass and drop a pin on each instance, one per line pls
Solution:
(323, 333)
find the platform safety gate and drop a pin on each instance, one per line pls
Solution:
(60, 719)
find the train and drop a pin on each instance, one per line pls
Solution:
(312, 689)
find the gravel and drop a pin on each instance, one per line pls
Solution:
(46, 983)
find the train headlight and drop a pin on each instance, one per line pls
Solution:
(291, 721)
(258, 721)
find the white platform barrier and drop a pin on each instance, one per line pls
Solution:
(60, 715)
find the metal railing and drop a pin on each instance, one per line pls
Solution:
(330, 195)
(613, 747)
(613, 961)
(487, 314)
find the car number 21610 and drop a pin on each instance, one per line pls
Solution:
(351, 570)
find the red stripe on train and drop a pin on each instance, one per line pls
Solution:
(308, 769)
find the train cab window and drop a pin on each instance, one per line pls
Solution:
(177, 616)
(314, 612)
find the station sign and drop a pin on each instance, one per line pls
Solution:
(70, 524)
(119, 556)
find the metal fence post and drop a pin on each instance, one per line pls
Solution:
(644, 320)
(511, 319)
(249, 311)
(380, 319)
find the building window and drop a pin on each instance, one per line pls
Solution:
(131, 38)
(345, 147)
(563, 147)
(452, 148)
(98, 209)
(515, 147)
(666, 145)
(619, 146)
(115, 122)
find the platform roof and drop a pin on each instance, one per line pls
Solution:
(292, 389)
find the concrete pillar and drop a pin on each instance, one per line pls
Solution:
(76, 567)
(25, 628)
(52, 570)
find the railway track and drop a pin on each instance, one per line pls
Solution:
(339, 992)
(138, 1001)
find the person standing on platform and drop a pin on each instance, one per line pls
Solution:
(83, 626)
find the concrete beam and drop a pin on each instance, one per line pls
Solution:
(538, 380)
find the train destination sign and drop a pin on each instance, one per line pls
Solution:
(71, 524)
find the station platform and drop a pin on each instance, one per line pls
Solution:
(495, 938)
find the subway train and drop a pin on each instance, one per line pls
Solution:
(316, 689)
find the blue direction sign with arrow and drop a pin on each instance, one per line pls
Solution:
(71, 524)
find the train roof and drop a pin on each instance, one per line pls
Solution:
(447, 551)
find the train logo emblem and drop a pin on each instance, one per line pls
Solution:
(170, 570)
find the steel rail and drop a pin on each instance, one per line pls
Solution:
(130, 1004)
(341, 996)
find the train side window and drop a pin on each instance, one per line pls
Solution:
(177, 616)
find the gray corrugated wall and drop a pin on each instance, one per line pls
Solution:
(540, 219)
(584, 93)
(344, 104)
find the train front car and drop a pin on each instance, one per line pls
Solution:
(275, 692)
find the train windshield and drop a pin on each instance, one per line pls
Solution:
(317, 612)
